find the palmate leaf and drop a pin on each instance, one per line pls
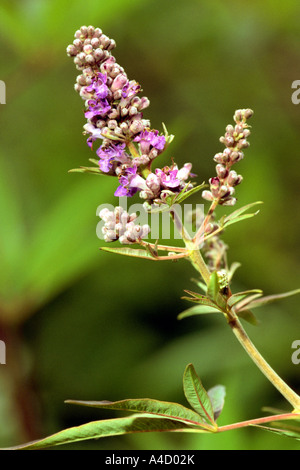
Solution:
(149, 416)
(146, 405)
(197, 396)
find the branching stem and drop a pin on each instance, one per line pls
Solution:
(237, 328)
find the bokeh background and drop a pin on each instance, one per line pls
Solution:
(83, 324)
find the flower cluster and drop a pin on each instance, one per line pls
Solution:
(235, 140)
(119, 225)
(114, 114)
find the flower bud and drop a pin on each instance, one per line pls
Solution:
(71, 50)
(221, 171)
(119, 82)
(234, 179)
(207, 195)
(136, 126)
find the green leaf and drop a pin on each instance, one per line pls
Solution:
(239, 219)
(237, 216)
(232, 270)
(213, 288)
(91, 169)
(134, 252)
(200, 299)
(198, 310)
(217, 398)
(200, 284)
(269, 299)
(241, 210)
(197, 396)
(169, 137)
(248, 316)
(185, 194)
(245, 302)
(236, 298)
(111, 427)
(146, 405)
(288, 427)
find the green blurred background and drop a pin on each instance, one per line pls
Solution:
(83, 324)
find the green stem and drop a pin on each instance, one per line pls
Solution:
(294, 399)
(133, 150)
(200, 233)
(263, 365)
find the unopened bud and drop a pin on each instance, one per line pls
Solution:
(119, 82)
(207, 195)
(234, 179)
(221, 171)
(136, 126)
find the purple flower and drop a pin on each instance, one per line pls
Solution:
(95, 133)
(185, 172)
(130, 183)
(111, 154)
(172, 177)
(150, 139)
(98, 105)
(168, 177)
(98, 86)
(97, 108)
(130, 89)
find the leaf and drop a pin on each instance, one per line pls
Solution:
(289, 427)
(185, 194)
(200, 284)
(134, 252)
(136, 423)
(270, 298)
(91, 169)
(237, 216)
(200, 299)
(197, 396)
(240, 211)
(213, 288)
(198, 310)
(245, 302)
(217, 398)
(169, 137)
(236, 298)
(232, 270)
(146, 405)
(248, 316)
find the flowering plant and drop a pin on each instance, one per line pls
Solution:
(127, 148)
